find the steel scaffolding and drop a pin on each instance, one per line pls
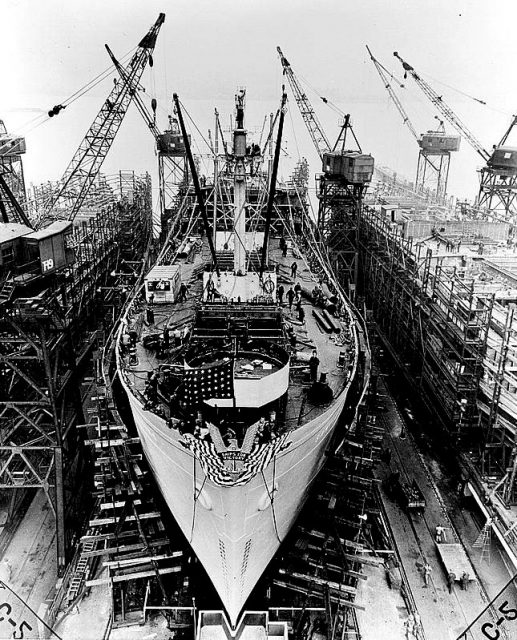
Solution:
(457, 344)
(47, 327)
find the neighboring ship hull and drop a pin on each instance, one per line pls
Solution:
(234, 530)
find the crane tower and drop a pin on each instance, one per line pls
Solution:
(433, 161)
(340, 186)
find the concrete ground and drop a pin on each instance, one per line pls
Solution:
(28, 566)
(443, 615)
(89, 619)
(385, 608)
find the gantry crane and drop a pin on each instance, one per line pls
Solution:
(340, 186)
(435, 146)
(48, 298)
(86, 163)
(498, 178)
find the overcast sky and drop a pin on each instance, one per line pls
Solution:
(207, 48)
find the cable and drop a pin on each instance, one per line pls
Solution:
(75, 96)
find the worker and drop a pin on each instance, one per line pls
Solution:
(301, 314)
(280, 293)
(290, 297)
(314, 362)
(426, 572)
(294, 269)
(182, 296)
(124, 343)
(439, 534)
(465, 581)
(150, 316)
(451, 577)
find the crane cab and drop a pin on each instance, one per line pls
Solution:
(50, 247)
(11, 246)
(10, 146)
(437, 143)
(355, 167)
(171, 143)
(504, 160)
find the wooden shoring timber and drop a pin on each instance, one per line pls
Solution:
(312, 579)
(311, 592)
(346, 543)
(331, 564)
(133, 533)
(344, 522)
(350, 556)
(132, 576)
(100, 460)
(128, 563)
(104, 506)
(358, 460)
(362, 480)
(123, 549)
(99, 522)
(103, 442)
(356, 490)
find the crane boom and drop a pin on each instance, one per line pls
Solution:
(85, 165)
(144, 112)
(384, 77)
(309, 116)
(439, 103)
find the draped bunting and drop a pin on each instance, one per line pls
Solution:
(213, 463)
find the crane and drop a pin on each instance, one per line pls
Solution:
(498, 178)
(340, 187)
(449, 114)
(434, 147)
(312, 123)
(87, 160)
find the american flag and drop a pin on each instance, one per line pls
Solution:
(212, 381)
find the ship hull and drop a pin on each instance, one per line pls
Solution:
(235, 531)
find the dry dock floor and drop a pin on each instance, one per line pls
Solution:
(28, 564)
(443, 615)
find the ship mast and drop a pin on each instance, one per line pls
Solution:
(239, 185)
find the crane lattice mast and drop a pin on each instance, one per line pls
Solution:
(86, 163)
(309, 116)
(442, 106)
(384, 75)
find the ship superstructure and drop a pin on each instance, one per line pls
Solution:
(237, 360)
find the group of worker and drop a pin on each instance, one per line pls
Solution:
(464, 580)
(294, 296)
(451, 576)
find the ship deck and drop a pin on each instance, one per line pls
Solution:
(309, 335)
